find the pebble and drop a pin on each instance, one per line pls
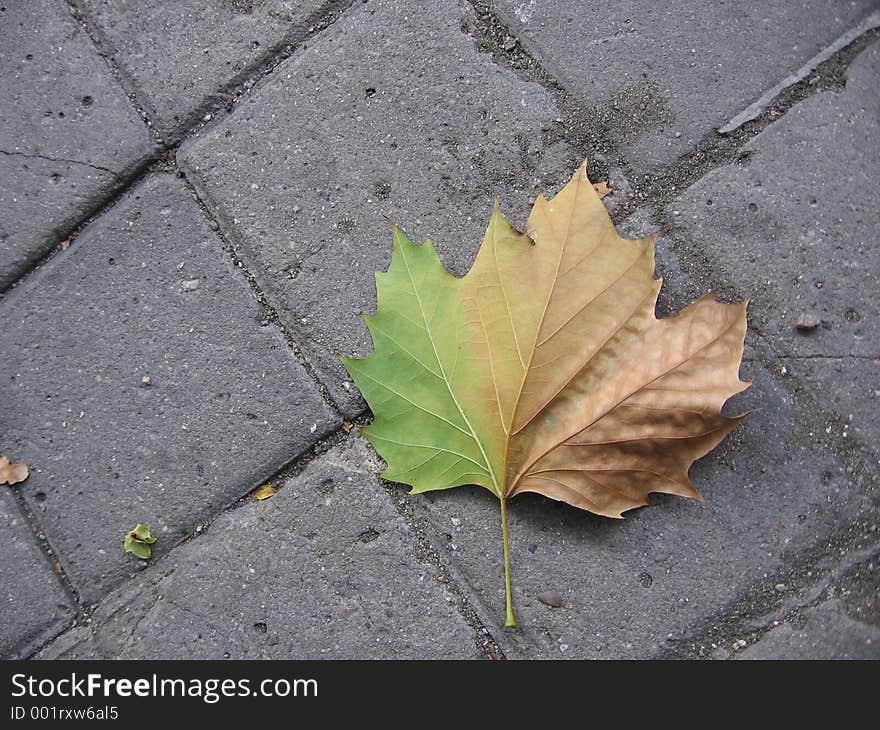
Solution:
(807, 322)
(550, 598)
(190, 285)
(455, 522)
(739, 644)
(146, 380)
(780, 587)
(213, 225)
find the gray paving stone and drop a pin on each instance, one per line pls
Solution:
(835, 617)
(635, 588)
(226, 404)
(179, 54)
(795, 229)
(68, 133)
(322, 570)
(823, 632)
(660, 76)
(391, 113)
(35, 606)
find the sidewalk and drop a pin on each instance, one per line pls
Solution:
(193, 200)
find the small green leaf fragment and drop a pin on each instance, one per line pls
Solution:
(144, 534)
(138, 541)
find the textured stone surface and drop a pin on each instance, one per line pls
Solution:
(635, 588)
(35, 607)
(226, 404)
(824, 632)
(180, 53)
(794, 227)
(660, 76)
(423, 129)
(838, 617)
(68, 133)
(322, 570)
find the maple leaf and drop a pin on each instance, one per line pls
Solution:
(544, 369)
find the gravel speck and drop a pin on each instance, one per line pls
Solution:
(807, 322)
(550, 598)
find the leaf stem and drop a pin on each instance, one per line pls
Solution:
(510, 619)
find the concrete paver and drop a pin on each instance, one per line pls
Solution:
(325, 569)
(181, 53)
(824, 632)
(69, 135)
(145, 292)
(35, 606)
(794, 227)
(658, 77)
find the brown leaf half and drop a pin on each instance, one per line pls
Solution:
(615, 403)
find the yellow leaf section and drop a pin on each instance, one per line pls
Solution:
(601, 402)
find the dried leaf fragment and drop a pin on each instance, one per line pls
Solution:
(264, 492)
(602, 189)
(544, 369)
(12, 473)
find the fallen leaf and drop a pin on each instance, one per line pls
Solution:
(12, 473)
(346, 426)
(544, 369)
(264, 492)
(138, 542)
(602, 189)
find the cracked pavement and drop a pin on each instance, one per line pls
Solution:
(193, 199)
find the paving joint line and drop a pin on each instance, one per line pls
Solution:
(268, 312)
(67, 235)
(218, 99)
(291, 469)
(716, 150)
(54, 563)
(582, 130)
(425, 552)
(752, 613)
(451, 581)
(129, 178)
